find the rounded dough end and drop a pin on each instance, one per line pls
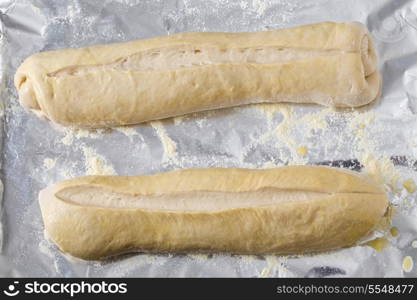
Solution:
(27, 95)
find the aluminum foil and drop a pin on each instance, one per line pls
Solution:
(380, 139)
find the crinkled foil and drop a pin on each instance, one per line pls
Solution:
(380, 139)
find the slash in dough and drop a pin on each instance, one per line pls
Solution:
(288, 210)
(332, 64)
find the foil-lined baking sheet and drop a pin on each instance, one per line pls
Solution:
(380, 139)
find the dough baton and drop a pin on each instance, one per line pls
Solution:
(288, 210)
(332, 64)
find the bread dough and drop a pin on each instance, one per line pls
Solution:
(332, 64)
(288, 210)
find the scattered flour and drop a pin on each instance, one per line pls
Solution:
(46, 248)
(381, 169)
(410, 186)
(265, 272)
(283, 129)
(270, 110)
(259, 6)
(378, 244)
(299, 133)
(394, 232)
(247, 259)
(68, 138)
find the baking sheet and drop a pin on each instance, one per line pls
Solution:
(380, 139)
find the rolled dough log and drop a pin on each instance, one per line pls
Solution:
(288, 210)
(332, 64)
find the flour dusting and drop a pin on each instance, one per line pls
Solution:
(169, 146)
